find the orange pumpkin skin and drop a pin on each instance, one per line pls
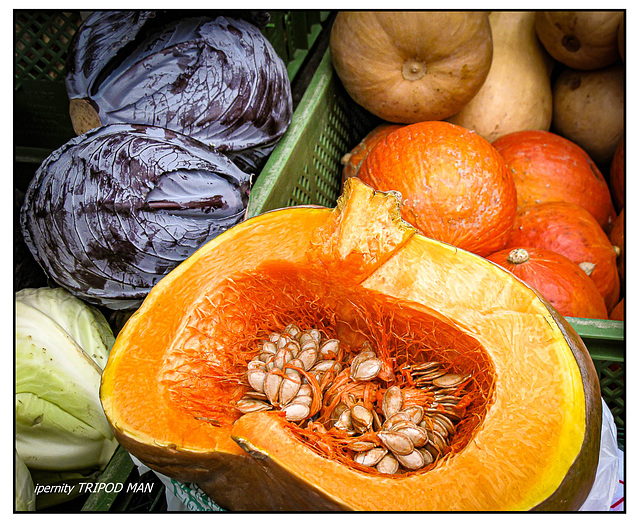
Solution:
(617, 313)
(455, 187)
(559, 280)
(616, 236)
(570, 230)
(548, 167)
(353, 160)
(616, 176)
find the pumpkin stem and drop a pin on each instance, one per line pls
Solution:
(413, 70)
(587, 267)
(518, 256)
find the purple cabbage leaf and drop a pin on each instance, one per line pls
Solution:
(218, 80)
(112, 211)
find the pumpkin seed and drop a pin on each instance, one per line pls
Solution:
(296, 411)
(417, 435)
(361, 418)
(371, 457)
(413, 461)
(247, 405)
(427, 456)
(289, 387)
(292, 330)
(392, 401)
(414, 413)
(367, 369)
(388, 464)
(361, 446)
(396, 442)
(450, 380)
(308, 356)
(256, 379)
(272, 385)
(268, 346)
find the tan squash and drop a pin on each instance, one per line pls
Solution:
(527, 430)
(517, 92)
(584, 40)
(407, 67)
(589, 109)
(621, 39)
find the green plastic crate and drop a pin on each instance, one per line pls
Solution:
(305, 169)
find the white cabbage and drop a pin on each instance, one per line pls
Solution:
(61, 346)
(24, 491)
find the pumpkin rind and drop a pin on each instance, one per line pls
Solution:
(539, 441)
(455, 187)
(570, 230)
(407, 67)
(548, 167)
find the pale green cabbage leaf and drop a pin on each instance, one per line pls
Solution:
(24, 492)
(60, 424)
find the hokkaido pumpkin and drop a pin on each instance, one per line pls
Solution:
(618, 312)
(351, 161)
(559, 280)
(523, 428)
(616, 236)
(407, 67)
(454, 185)
(547, 167)
(570, 230)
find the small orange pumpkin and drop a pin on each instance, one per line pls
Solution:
(548, 167)
(570, 230)
(616, 236)
(617, 313)
(353, 160)
(559, 280)
(455, 187)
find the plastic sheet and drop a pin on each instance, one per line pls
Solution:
(607, 482)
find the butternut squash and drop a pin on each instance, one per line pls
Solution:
(517, 92)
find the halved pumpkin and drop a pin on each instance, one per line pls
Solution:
(529, 429)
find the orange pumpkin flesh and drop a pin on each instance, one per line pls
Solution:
(530, 439)
(547, 167)
(454, 185)
(570, 230)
